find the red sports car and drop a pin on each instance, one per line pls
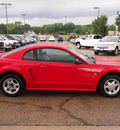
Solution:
(55, 66)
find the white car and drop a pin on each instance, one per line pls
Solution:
(51, 38)
(4, 46)
(88, 41)
(13, 43)
(42, 38)
(73, 40)
(108, 44)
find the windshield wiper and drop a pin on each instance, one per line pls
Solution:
(94, 59)
(91, 59)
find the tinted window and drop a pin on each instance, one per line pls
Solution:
(97, 37)
(55, 55)
(29, 55)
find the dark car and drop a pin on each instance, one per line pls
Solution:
(60, 38)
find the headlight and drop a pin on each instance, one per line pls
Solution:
(5, 44)
(112, 44)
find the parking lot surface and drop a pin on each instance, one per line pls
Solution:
(60, 108)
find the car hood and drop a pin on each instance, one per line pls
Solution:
(105, 43)
(107, 61)
(10, 41)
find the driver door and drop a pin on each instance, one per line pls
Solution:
(58, 71)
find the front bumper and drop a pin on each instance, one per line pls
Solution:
(104, 51)
(15, 45)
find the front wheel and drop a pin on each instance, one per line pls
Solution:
(116, 51)
(78, 45)
(96, 52)
(110, 86)
(11, 85)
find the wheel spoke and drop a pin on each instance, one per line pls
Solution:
(11, 85)
(112, 86)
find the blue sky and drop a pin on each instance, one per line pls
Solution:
(40, 12)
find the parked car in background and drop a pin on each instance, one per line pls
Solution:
(51, 38)
(27, 39)
(56, 66)
(60, 39)
(88, 41)
(33, 36)
(108, 44)
(22, 38)
(21, 41)
(14, 44)
(42, 38)
(4, 45)
(32, 40)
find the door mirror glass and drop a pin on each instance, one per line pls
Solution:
(78, 61)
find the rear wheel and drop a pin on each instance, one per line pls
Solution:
(78, 45)
(110, 86)
(11, 85)
(116, 51)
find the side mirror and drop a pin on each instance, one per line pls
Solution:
(78, 61)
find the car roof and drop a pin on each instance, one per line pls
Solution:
(34, 46)
(54, 45)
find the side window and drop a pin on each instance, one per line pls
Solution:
(90, 37)
(55, 55)
(29, 55)
(119, 39)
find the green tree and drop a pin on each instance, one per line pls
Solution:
(36, 29)
(27, 27)
(69, 27)
(3, 29)
(99, 25)
(117, 20)
(78, 29)
(18, 23)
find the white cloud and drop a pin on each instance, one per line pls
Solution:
(39, 12)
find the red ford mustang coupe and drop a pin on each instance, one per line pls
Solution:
(49, 66)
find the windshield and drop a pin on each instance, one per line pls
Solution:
(85, 57)
(77, 53)
(109, 39)
(97, 37)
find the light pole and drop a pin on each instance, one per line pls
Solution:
(6, 14)
(65, 26)
(24, 21)
(98, 10)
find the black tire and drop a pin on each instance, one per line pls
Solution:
(96, 52)
(110, 86)
(11, 85)
(116, 51)
(78, 45)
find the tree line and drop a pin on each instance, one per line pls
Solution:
(98, 26)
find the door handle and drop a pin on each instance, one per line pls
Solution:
(43, 66)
